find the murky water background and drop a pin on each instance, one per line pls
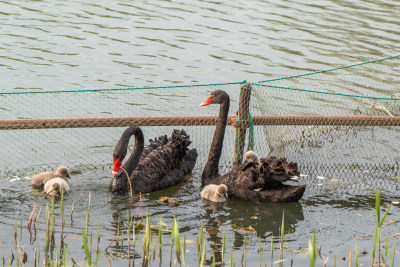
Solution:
(68, 45)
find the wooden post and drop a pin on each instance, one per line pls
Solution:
(242, 123)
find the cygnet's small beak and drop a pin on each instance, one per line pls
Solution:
(69, 177)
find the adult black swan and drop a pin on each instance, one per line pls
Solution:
(250, 181)
(163, 163)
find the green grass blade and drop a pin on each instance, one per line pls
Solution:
(62, 201)
(223, 247)
(312, 251)
(378, 207)
(384, 216)
(85, 246)
(272, 249)
(356, 256)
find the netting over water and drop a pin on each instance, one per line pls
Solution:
(319, 149)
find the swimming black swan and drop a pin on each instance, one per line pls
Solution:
(163, 163)
(41, 178)
(215, 193)
(249, 181)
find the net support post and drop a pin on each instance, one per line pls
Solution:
(241, 123)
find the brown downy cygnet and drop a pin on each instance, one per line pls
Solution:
(215, 193)
(251, 156)
(57, 185)
(41, 178)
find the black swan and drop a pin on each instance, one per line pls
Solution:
(215, 193)
(249, 181)
(57, 185)
(41, 178)
(163, 163)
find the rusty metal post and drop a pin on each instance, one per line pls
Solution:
(242, 123)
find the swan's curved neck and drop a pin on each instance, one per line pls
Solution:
(134, 158)
(210, 171)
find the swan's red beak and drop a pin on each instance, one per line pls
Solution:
(207, 102)
(117, 165)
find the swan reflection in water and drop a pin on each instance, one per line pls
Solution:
(234, 216)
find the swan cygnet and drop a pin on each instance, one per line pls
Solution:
(251, 156)
(56, 185)
(215, 193)
(41, 178)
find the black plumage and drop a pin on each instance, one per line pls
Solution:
(163, 163)
(250, 181)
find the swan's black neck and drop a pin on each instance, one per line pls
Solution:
(122, 147)
(210, 171)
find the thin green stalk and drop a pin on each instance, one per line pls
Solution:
(160, 234)
(52, 203)
(177, 240)
(272, 249)
(57, 256)
(386, 248)
(223, 247)
(184, 250)
(312, 251)
(203, 254)
(65, 257)
(379, 224)
(356, 256)
(231, 260)
(62, 202)
(282, 239)
(86, 248)
(213, 259)
(392, 255)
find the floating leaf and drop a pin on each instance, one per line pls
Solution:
(189, 242)
(213, 230)
(170, 201)
(254, 217)
(389, 222)
(139, 226)
(244, 229)
(161, 224)
(395, 177)
(364, 237)
(334, 180)
(396, 235)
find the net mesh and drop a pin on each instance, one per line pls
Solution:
(36, 149)
(333, 148)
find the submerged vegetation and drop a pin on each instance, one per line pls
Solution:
(156, 249)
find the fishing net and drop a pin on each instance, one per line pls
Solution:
(42, 130)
